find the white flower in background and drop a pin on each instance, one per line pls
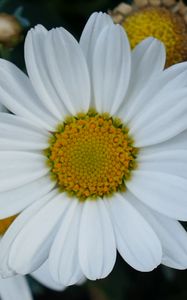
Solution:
(102, 183)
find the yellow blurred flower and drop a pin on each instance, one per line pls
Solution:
(10, 30)
(165, 20)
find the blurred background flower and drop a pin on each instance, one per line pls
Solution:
(165, 20)
(16, 17)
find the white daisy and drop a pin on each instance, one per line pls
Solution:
(102, 184)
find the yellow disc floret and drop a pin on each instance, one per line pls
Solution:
(5, 223)
(160, 23)
(91, 155)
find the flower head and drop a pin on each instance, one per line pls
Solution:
(10, 30)
(164, 20)
(94, 159)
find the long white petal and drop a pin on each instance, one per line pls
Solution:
(97, 249)
(18, 95)
(136, 241)
(170, 79)
(16, 227)
(68, 70)
(63, 258)
(163, 120)
(17, 133)
(179, 142)
(171, 234)
(37, 68)
(19, 168)
(37, 236)
(164, 193)
(14, 201)
(148, 59)
(95, 24)
(111, 69)
(166, 161)
(44, 277)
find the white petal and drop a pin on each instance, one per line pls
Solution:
(169, 80)
(37, 236)
(18, 95)
(167, 161)
(111, 69)
(19, 134)
(161, 121)
(15, 288)
(68, 70)
(165, 193)
(36, 63)
(97, 249)
(2, 108)
(16, 227)
(148, 60)
(14, 201)
(44, 277)
(179, 142)
(63, 258)
(171, 234)
(19, 168)
(136, 241)
(58, 71)
(95, 24)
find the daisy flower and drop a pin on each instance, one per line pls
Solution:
(94, 159)
(165, 20)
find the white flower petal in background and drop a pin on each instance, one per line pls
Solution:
(15, 288)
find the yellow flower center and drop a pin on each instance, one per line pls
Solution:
(91, 155)
(162, 24)
(5, 223)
